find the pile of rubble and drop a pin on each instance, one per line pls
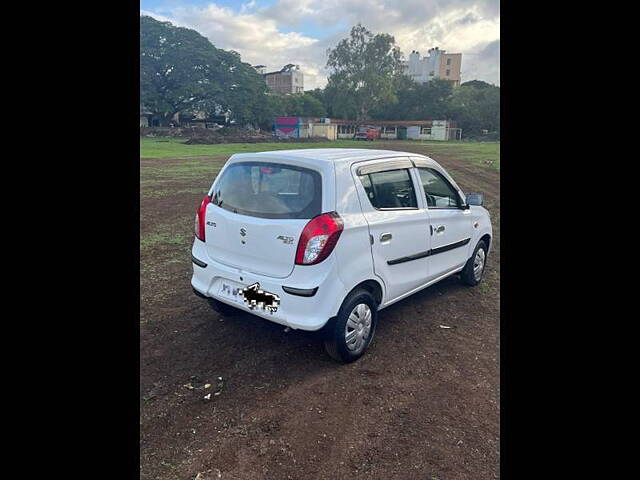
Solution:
(210, 136)
(207, 136)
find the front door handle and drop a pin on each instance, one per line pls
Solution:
(385, 237)
(440, 229)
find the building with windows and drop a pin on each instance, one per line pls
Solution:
(442, 130)
(337, 128)
(288, 80)
(437, 64)
(304, 127)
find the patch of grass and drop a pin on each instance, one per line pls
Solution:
(161, 252)
(163, 238)
(481, 153)
(189, 172)
(174, 147)
(168, 192)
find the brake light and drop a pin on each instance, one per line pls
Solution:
(200, 215)
(318, 238)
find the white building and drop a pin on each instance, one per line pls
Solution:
(438, 64)
(442, 130)
(439, 130)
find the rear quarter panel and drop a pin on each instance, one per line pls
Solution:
(353, 253)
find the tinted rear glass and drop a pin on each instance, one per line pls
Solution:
(269, 190)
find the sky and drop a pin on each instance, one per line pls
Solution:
(277, 32)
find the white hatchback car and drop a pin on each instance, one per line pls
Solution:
(322, 239)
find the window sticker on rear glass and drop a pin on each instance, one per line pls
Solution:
(255, 297)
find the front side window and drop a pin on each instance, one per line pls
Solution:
(439, 192)
(269, 190)
(390, 189)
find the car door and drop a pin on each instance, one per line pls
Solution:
(398, 223)
(450, 223)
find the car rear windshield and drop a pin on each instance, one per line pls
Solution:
(269, 190)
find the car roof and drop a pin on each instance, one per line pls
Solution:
(328, 154)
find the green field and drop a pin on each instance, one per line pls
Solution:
(485, 153)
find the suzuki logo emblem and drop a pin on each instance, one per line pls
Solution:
(243, 232)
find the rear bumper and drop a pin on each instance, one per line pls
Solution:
(309, 296)
(198, 294)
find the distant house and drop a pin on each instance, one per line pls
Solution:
(288, 80)
(145, 117)
(149, 119)
(304, 127)
(403, 129)
(333, 129)
(438, 64)
(202, 119)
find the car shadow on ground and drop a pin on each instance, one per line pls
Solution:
(254, 355)
(227, 342)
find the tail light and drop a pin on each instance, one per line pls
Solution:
(200, 215)
(319, 238)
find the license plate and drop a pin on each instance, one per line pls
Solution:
(251, 296)
(231, 291)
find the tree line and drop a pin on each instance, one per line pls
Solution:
(181, 71)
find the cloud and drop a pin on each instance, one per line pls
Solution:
(258, 39)
(245, 7)
(483, 65)
(301, 31)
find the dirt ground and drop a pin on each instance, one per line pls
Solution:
(423, 403)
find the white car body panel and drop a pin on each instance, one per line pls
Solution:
(354, 259)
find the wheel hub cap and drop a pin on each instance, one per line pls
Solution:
(358, 328)
(478, 264)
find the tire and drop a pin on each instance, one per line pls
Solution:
(469, 274)
(222, 308)
(358, 304)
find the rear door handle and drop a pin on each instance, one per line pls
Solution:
(385, 237)
(440, 229)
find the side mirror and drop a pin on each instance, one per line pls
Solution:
(475, 199)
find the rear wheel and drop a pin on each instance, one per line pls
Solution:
(474, 269)
(222, 308)
(354, 327)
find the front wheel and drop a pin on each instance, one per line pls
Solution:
(354, 327)
(473, 270)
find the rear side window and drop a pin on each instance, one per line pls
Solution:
(269, 190)
(390, 189)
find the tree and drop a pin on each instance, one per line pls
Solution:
(416, 101)
(476, 107)
(180, 70)
(477, 84)
(246, 97)
(339, 102)
(298, 105)
(317, 93)
(433, 99)
(312, 107)
(364, 67)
